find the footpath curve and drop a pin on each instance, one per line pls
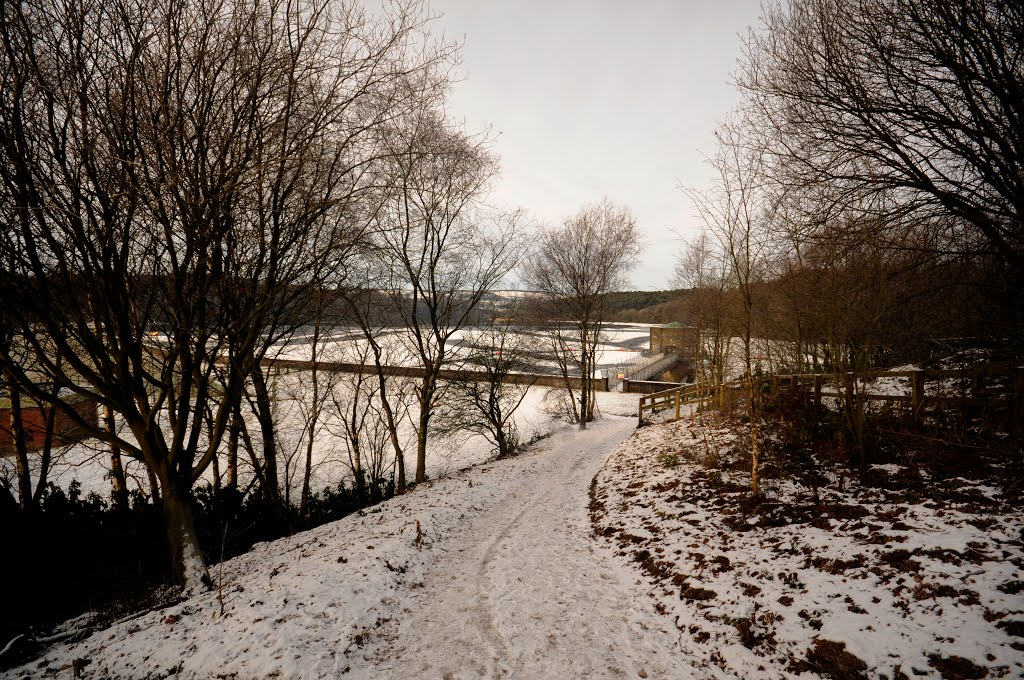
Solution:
(524, 591)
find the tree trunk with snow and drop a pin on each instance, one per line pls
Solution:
(188, 565)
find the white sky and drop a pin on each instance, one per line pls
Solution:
(600, 98)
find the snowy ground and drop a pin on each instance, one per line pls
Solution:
(489, 573)
(498, 571)
(868, 583)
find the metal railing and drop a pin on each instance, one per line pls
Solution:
(646, 362)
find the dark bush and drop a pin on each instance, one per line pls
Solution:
(78, 553)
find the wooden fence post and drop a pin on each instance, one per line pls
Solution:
(917, 387)
(818, 378)
(1018, 398)
(678, 398)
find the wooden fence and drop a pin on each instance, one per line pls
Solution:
(977, 388)
(674, 398)
(983, 385)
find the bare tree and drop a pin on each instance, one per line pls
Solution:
(575, 266)
(443, 249)
(488, 394)
(737, 210)
(914, 102)
(309, 393)
(699, 269)
(369, 309)
(170, 165)
(321, 384)
(369, 433)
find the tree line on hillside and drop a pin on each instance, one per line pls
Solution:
(869, 191)
(646, 306)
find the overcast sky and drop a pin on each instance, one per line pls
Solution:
(594, 98)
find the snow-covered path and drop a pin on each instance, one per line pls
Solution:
(523, 590)
(507, 581)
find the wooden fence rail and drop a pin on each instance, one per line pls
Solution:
(855, 387)
(674, 398)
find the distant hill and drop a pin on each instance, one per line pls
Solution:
(648, 306)
(640, 306)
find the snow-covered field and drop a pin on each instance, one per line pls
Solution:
(619, 342)
(88, 463)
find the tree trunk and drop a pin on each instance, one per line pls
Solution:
(314, 415)
(502, 441)
(389, 416)
(265, 415)
(45, 455)
(755, 451)
(400, 462)
(188, 568)
(154, 486)
(426, 397)
(233, 431)
(585, 369)
(119, 485)
(308, 471)
(215, 459)
(25, 498)
(215, 467)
